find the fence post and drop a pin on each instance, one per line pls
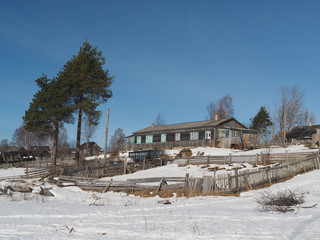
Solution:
(261, 158)
(229, 183)
(257, 158)
(27, 172)
(236, 175)
(188, 162)
(186, 183)
(214, 180)
(208, 160)
(287, 156)
(125, 167)
(144, 164)
(230, 158)
(268, 177)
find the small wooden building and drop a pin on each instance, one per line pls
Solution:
(13, 154)
(40, 152)
(304, 135)
(225, 133)
(89, 149)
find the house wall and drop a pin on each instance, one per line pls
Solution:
(215, 141)
(185, 141)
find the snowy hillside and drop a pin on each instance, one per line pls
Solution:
(76, 214)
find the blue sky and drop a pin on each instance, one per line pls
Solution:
(169, 57)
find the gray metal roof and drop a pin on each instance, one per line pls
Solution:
(184, 126)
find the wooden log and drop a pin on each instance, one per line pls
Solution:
(107, 187)
(159, 187)
(46, 192)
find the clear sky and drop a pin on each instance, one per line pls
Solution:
(169, 57)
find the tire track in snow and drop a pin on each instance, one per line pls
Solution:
(309, 227)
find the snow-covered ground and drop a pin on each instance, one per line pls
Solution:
(206, 151)
(76, 214)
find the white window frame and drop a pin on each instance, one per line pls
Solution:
(222, 133)
(163, 138)
(149, 139)
(138, 139)
(194, 136)
(177, 137)
(207, 135)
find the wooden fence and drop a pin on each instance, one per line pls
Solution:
(96, 170)
(257, 159)
(232, 182)
(238, 180)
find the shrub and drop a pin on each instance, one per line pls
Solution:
(283, 201)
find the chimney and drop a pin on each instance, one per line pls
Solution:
(152, 124)
(217, 118)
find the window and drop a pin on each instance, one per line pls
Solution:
(149, 139)
(228, 133)
(130, 140)
(207, 134)
(138, 139)
(194, 135)
(222, 133)
(163, 137)
(235, 134)
(177, 138)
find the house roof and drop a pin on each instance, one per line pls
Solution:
(302, 132)
(188, 125)
(89, 144)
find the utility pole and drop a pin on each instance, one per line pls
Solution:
(285, 126)
(106, 138)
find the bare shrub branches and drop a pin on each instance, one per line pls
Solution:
(223, 107)
(283, 202)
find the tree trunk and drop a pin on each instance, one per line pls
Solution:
(55, 145)
(79, 134)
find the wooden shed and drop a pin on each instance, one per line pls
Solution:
(304, 135)
(89, 149)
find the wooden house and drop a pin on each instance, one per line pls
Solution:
(305, 135)
(225, 133)
(40, 152)
(13, 154)
(89, 149)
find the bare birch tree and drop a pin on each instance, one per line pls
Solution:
(308, 118)
(117, 142)
(288, 110)
(223, 107)
(23, 138)
(160, 120)
(89, 130)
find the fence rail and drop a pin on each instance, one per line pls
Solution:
(258, 159)
(235, 181)
(97, 170)
(251, 178)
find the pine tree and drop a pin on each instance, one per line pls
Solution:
(49, 110)
(262, 122)
(89, 84)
